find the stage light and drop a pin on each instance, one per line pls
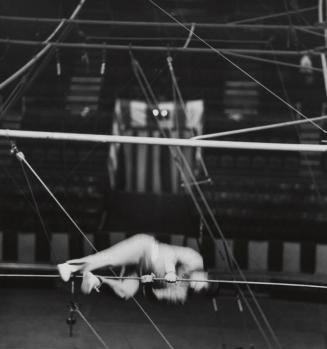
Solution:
(164, 113)
(155, 112)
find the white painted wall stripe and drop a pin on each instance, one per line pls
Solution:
(26, 248)
(258, 255)
(191, 242)
(1, 245)
(87, 248)
(116, 237)
(220, 260)
(177, 240)
(291, 257)
(321, 259)
(60, 245)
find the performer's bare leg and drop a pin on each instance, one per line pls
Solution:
(126, 288)
(126, 252)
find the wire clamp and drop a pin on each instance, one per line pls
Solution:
(146, 279)
(14, 150)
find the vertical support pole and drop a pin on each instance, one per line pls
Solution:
(71, 319)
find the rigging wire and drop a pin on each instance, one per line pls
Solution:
(219, 53)
(94, 331)
(259, 128)
(280, 14)
(43, 51)
(207, 207)
(178, 156)
(20, 156)
(183, 105)
(30, 75)
(230, 257)
(38, 212)
(307, 162)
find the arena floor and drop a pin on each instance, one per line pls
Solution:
(36, 318)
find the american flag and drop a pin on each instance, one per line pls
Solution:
(142, 168)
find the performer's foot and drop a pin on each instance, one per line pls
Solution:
(90, 282)
(65, 271)
(68, 268)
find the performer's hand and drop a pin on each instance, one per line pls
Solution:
(171, 277)
(147, 278)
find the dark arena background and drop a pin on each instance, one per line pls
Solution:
(210, 130)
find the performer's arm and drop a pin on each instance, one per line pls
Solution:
(170, 265)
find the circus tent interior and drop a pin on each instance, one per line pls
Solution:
(198, 122)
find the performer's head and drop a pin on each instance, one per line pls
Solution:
(178, 292)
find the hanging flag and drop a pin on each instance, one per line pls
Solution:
(142, 168)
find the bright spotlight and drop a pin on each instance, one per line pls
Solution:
(155, 112)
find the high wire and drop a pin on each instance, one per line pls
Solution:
(185, 280)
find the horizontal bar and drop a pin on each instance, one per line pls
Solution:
(101, 46)
(161, 24)
(28, 266)
(177, 142)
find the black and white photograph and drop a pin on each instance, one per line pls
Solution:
(163, 174)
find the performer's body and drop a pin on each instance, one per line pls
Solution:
(148, 256)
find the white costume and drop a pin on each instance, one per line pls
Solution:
(149, 256)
